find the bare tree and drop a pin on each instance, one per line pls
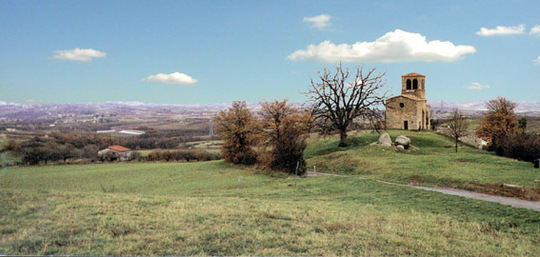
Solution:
(458, 126)
(339, 98)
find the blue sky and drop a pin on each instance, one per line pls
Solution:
(200, 52)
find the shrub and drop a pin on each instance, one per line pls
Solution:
(181, 155)
(153, 156)
(136, 156)
(283, 137)
(108, 157)
(236, 127)
(525, 147)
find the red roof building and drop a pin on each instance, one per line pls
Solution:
(116, 151)
(118, 148)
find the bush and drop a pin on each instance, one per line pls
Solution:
(236, 127)
(181, 155)
(283, 137)
(108, 157)
(525, 147)
(136, 156)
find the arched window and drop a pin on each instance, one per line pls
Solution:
(408, 84)
(415, 84)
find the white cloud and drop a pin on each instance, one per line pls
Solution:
(477, 86)
(537, 61)
(535, 30)
(173, 78)
(320, 21)
(395, 46)
(77, 54)
(501, 31)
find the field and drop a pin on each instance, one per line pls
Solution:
(433, 162)
(213, 208)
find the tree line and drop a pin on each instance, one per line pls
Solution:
(276, 138)
(505, 134)
(60, 146)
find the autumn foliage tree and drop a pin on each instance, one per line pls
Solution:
(500, 121)
(339, 98)
(282, 136)
(236, 127)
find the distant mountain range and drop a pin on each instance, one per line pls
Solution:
(522, 107)
(528, 108)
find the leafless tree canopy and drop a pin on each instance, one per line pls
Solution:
(458, 126)
(339, 97)
(500, 104)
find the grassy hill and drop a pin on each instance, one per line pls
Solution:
(214, 208)
(434, 163)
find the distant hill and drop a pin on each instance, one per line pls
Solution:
(11, 110)
(524, 108)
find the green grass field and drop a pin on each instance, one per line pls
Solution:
(213, 208)
(434, 163)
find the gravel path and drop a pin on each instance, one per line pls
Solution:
(518, 203)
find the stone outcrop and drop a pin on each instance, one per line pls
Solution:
(384, 140)
(403, 141)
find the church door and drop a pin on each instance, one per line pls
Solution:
(406, 125)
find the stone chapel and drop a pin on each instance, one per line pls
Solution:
(409, 111)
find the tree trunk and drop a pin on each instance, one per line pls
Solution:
(456, 143)
(343, 138)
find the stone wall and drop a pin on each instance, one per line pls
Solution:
(396, 115)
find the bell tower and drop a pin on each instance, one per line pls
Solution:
(414, 84)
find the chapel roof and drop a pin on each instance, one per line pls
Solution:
(413, 74)
(409, 96)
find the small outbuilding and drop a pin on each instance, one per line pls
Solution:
(118, 151)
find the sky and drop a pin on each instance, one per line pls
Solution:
(203, 52)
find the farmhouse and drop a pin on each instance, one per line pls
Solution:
(409, 111)
(120, 152)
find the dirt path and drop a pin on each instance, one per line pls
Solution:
(518, 203)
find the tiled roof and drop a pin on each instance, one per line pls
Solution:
(412, 97)
(119, 148)
(413, 74)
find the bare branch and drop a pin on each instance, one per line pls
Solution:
(338, 101)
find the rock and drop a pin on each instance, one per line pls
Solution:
(385, 139)
(404, 141)
(400, 148)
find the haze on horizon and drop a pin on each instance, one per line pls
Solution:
(203, 52)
